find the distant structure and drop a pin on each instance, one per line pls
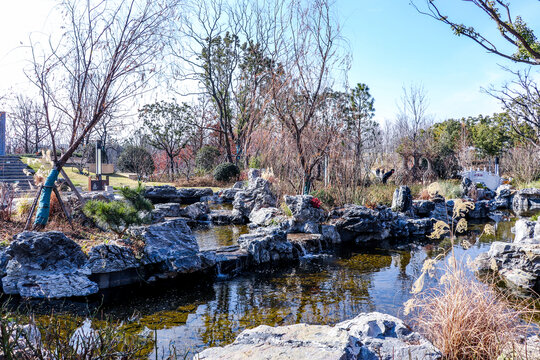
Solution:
(2, 133)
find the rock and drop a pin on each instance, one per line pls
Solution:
(47, 265)
(360, 224)
(480, 211)
(257, 195)
(517, 263)
(369, 336)
(466, 186)
(253, 174)
(167, 210)
(527, 232)
(419, 227)
(267, 245)
(503, 196)
(171, 245)
(330, 234)
(4, 258)
(227, 195)
(423, 208)
(306, 244)
(526, 201)
(264, 216)
(226, 217)
(169, 194)
(84, 338)
(197, 211)
(402, 200)
(302, 208)
(238, 185)
(107, 258)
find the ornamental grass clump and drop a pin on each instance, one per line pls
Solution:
(464, 318)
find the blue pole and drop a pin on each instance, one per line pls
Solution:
(43, 211)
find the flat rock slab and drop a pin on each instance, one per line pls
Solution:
(170, 194)
(369, 336)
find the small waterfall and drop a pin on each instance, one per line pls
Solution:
(219, 274)
(302, 249)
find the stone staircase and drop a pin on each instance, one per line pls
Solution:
(12, 171)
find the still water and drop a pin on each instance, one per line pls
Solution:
(322, 289)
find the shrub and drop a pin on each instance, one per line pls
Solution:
(286, 210)
(325, 195)
(207, 157)
(136, 198)
(117, 215)
(226, 171)
(255, 162)
(137, 160)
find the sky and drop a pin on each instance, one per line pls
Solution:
(392, 46)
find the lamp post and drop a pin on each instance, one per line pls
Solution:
(98, 160)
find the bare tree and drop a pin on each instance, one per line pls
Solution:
(513, 31)
(305, 53)
(412, 120)
(521, 101)
(28, 123)
(104, 58)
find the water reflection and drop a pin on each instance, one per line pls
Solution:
(213, 237)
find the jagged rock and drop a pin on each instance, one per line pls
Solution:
(423, 208)
(330, 234)
(358, 223)
(309, 227)
(527, 232)
(419, 227)
(226, 217)
(254, 174)
(517, 263)
(264, 216)
(480, 211)
(238, 185)
(306, 243)
(302, 208)
(47, 265)
(402, 200)
(257, 195)
(197, 211)
(267, 245)
(526, 201)
(167, 210)
(227, 195)
(466, 186)
(503, 198)
(171, 245)
(169, 194)
(107, 258)
(369, 336)
(4, 258)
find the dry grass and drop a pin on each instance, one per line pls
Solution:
(203, 181)
(466, 319)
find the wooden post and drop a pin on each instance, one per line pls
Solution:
(70, 184)
(36, 199)
(64, 209)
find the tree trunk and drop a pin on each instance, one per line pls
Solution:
(42, 214)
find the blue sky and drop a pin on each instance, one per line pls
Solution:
(393, 46)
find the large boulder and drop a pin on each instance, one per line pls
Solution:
(267, 245)
(169, 194)
(197, 211)
(4, 259)
(171, 245)
(227, 195)
(526, 201)
(360, 224)
(264, 216)
(257, 195)
(481, 210)
(226, 217)
(423, 208)
(303, 209)
(47, 265)
(108, 258)
(527, 232)
(167, 210)
(402, 200)
(369, 336)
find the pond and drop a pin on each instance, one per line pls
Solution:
(321, 289)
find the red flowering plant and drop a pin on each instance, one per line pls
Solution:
(316, 203)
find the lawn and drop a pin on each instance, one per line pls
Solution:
(116, 180)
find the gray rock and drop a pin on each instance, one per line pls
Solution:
(330, 234)
(526, 201)
(226, 217)
(466, 186)
(197, 211)
(227, 195)
(254, 174)
(302, 209)
(369, 336)
(238, 185)
(257, 195)
(168, 194)
(171, 245)
(481, 210)
(107, 258)
(423, 208)
(168, 210)
(47, 265)
(267, 245)
(527, 232)
(264, 216)
(4, 258)
(360, 224)
(402, 200)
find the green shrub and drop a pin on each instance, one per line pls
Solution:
(117, 215)
(136, 159)
(255, 162)
(207, 157)
(226, 171)
(135, 197)
(286, 210)
(534, 217)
